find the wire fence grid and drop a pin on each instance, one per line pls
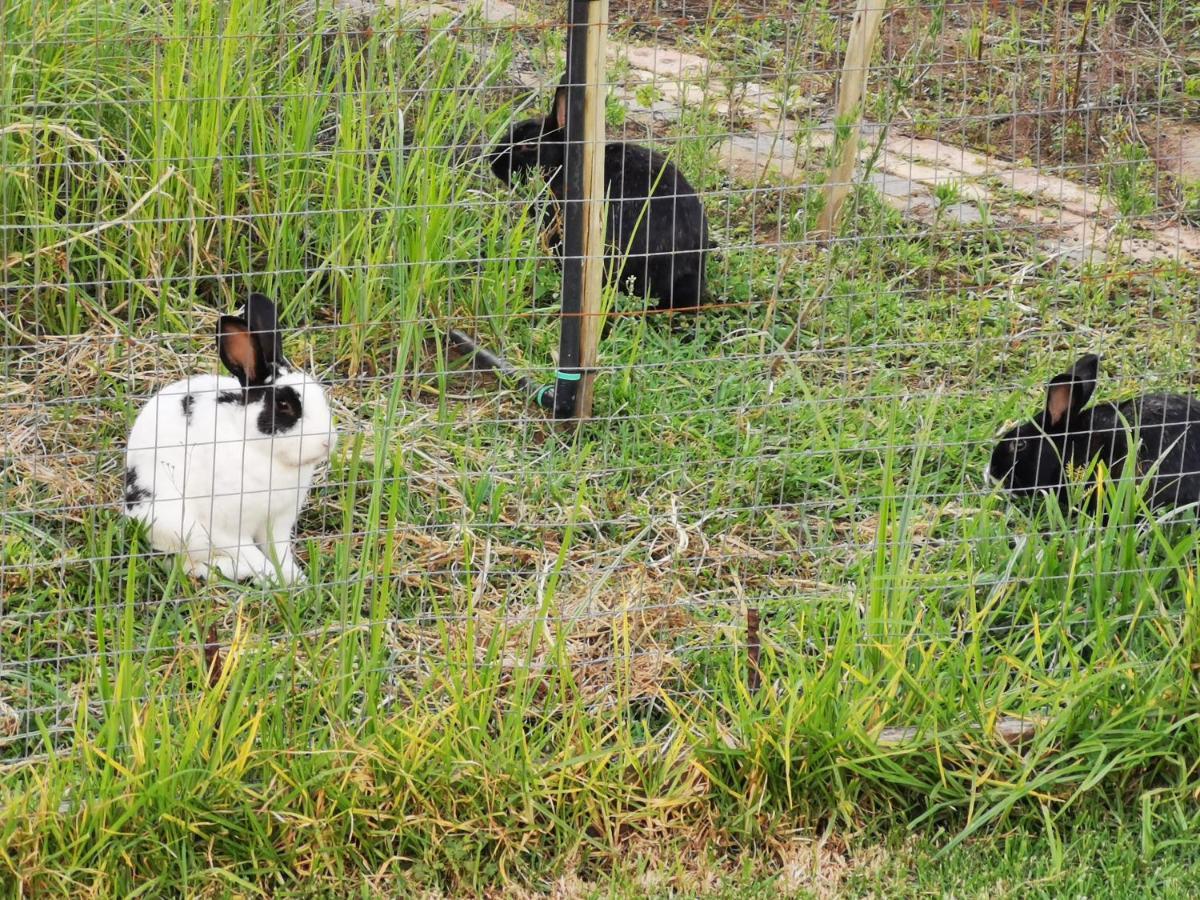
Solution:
(810, 444)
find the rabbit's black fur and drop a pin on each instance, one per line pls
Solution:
(1032, 457)
(667, 244)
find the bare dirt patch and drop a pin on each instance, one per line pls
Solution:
(1177, 150)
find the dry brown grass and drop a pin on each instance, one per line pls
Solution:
(701, 865)
(618, 638)
(60, 395)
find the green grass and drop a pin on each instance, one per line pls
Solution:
(521, 655)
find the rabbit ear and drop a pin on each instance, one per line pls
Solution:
(239, 351)
(264, 326)
(560, 105)
(1070, 391)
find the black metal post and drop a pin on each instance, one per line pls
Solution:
(569, 374)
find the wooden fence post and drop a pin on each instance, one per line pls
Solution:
(864, 29)
(594, 198)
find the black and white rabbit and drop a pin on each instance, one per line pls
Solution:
(218, 467)
(1034, 457)
(664, 246)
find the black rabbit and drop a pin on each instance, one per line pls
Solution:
(1033, 457)
(664, 246)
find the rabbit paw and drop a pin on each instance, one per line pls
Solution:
(287, 574)
(288, 571)
(246, 563)
(201, 571)
(217, 567)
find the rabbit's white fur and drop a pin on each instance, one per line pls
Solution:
(210, 485)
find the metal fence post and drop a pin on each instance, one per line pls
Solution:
(583, 219)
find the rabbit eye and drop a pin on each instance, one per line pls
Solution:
(1022, 444)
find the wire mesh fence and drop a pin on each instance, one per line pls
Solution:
(810, 444)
